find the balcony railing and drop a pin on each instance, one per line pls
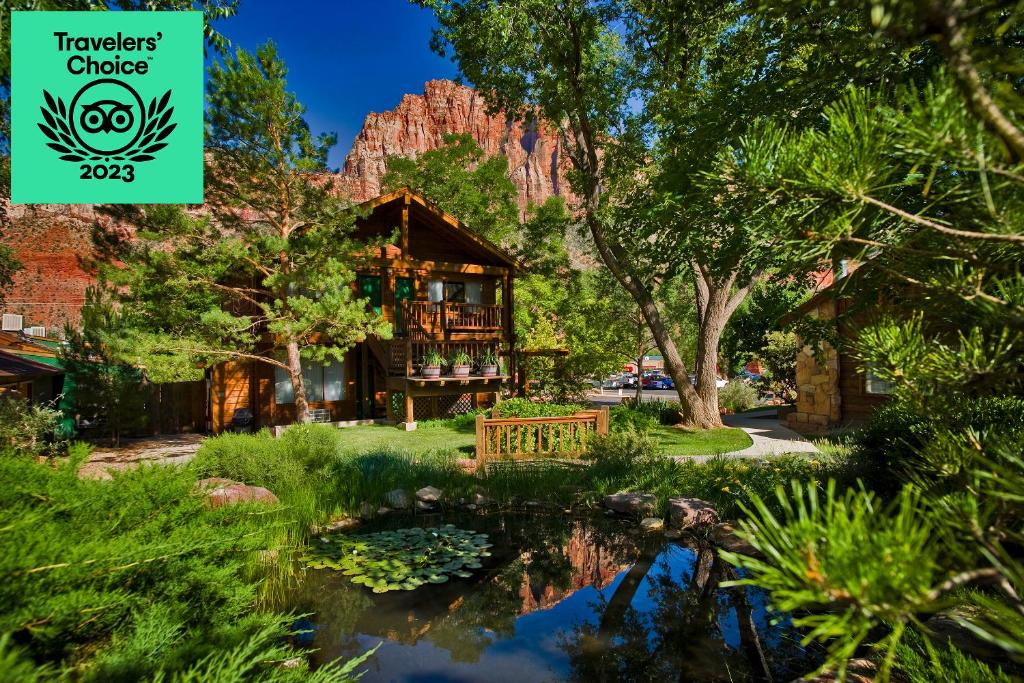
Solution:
(448, 316)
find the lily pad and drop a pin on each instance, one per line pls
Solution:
(403, 559)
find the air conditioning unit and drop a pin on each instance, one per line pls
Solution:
(12, 322)
(36, 331)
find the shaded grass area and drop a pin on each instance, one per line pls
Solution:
(672, 440)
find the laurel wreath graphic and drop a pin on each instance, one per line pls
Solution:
(58, 129)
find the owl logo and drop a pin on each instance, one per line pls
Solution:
(106, 116)
(107, 121)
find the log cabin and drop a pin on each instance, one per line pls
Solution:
(441, 286)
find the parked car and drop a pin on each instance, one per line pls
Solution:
(658, 382)
(628, 380)
(719, 382)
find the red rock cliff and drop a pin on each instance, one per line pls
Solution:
(419, 123)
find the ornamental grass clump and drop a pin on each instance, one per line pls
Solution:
(403, 559)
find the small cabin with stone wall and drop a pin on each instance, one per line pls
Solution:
(833, 389)
(441, 286)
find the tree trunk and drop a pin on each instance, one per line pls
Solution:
(302, 415)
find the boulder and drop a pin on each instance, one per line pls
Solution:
(631, 503)
(428, 494)
(383, 510)
(367, 510)
(652, 524)
(425, 507)
(691, 513)
(397, 499)
(481, 499)
(226, 492)
(725, 537)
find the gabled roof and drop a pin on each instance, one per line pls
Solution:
(451, 225)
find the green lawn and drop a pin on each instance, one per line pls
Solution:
(675, 441)
(434, 437)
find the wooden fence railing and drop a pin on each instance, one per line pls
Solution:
(537, 437)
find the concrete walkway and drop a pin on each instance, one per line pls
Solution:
(769, 437)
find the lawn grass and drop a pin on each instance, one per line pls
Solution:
(675, 441)
(425, 438)
(436, 436)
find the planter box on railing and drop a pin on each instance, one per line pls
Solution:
(537, 437)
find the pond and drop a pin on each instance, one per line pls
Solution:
(558, 599)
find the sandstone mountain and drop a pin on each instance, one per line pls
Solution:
(50, 239)
(419, 123)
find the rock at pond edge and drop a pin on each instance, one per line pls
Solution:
(220, 492)
(397, 499)
(631, 503)
(652, 524)
(429, 494)
(690, 513)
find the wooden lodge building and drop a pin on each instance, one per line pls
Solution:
(440, 286)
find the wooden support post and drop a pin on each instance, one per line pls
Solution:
(410, 417)
(481, 436)
(405, 226)
(602, 420)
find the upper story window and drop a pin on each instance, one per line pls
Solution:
(455, 291)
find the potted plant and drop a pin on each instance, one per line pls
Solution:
(432, 362)
(461, 363)
(489, 363)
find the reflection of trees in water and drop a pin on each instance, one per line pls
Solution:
(558, 561)
(681, 637)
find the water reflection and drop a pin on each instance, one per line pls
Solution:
(560, 599)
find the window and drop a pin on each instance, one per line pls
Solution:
(435, 291)
(323, 382)
(873, 384)
(474, 293)
(455, 291)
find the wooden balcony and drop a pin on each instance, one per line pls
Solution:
(440, 318)
(405, 356)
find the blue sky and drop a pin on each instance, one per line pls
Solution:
(345, 58)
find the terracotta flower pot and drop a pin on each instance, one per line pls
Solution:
(461, 371)
(431, 371)
(489, 370)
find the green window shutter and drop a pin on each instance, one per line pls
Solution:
(370, 288)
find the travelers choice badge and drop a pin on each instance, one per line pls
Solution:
(106, 107)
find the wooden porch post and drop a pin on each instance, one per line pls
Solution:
(405, 226)
(410, 416)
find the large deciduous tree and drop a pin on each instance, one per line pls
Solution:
(644, 95)
(265, 272)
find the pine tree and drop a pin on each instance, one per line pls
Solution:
(264, 273)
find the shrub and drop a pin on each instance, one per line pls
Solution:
(28, 429)
(626, 418)
(737, 396)
(897, 432)
(524, 407)
(660, 411)
(133, 579)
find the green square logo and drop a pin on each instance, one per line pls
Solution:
(106, 107)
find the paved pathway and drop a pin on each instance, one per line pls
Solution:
(769, 437)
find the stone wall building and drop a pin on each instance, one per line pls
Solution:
(833, 389)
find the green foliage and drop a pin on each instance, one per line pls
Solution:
(849, 558)
(779, 358)
(27, 428)
(433, 359)
(106, 391)
(135, 578)
(403, 559)
(488, 356)
(460, 357)
(524, 407)
(754, 330)
(458, 179)
(658, 411)
(921, 661)
(295, 467)
(737, 396)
